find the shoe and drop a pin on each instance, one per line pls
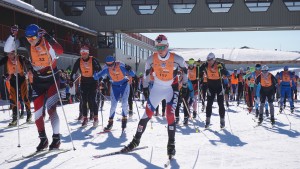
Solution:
(272, 120)
(43, 141)
(130, 113)
(133, 144)
(177, 120)
(222, 123)
(124, 122)
(171, 148)
(13, 123)
(96, 121)
(207, 122)
(55, 142)
(109, 125)
(84, 122)
(194, 114)
(28, 120)
(267, 113)
(186, 121)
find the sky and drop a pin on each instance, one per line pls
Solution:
(267, 40)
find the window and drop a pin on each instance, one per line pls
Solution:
(144, 7)
(106, 40)
(72, 8)
(46, 6)
(292, 5)
(258, 5)
(108, 7)
(182, 6)
(217, 6)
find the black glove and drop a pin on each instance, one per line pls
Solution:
(127, 67)
(146, 92)
(184, 92)
(14, 30)
(41, 33)
(5, 76)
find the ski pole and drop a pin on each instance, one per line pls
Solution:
(57, 90)
(17, 92)
(196, 129)
(288, 120)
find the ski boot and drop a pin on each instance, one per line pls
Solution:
(109, 125)
(130, 113)
(171, 149)
(177, 120)
(186, 121)
(124, 122)
(13, 123)
(84, 122)
(133, 144)
(272, 121)
(96, 121)
(292, 109)
(43, 141)
(28, 120)
(207, 122)
(260, 119)
(194, 114)
(55, 142)
(222, 123)
(256, 113)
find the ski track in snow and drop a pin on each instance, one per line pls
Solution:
(246, 147)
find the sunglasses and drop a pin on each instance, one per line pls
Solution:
(31, 38)
(84, 51)
(160, 47)
(109, 64)
(258, 68)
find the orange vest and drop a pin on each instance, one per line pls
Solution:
(163, 69)
(286, 77)
(116, 73)
(213, 73)
(266, 82)
(39, 55)
(87, 67)
(192, 73)
(11, 67)
(234, 80)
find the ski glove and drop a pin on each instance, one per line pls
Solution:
(146, 92)
(14, 30)
(41, 33)
(5, 76)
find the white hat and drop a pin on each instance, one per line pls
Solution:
(210, 56)
(9, 48)
(161, 39)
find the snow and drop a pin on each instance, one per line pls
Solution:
(237, 54)
(61, 21)
(242, 147)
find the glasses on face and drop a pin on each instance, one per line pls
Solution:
(209, 60)
(31, 38)
(84, 51)
(258, 68)
(109, 64)
(160, 47)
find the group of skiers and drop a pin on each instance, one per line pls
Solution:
(167, 77)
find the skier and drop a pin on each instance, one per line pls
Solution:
(294, 89)
(11, 62)
(165, 66)
(226, 86)
(214, 71)
(120, 87)
(286, 83)
(266, 83)
(234, 84)
(87, 65)
(193, 75)
(240, 85)
(42, 49)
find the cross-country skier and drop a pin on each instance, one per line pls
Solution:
(165, 66)
(42, 49)
(214, 71)
(266, 83)
(120, 87)
(87, 65)
(286, 83)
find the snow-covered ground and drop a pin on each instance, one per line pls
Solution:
(239, 146)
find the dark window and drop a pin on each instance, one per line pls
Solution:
(72, 7)
(144, 7)
(106, 40)
(219, 5)
(108, 7)
(292, 5)
(46, 6)
(182, 6)
(258, 5)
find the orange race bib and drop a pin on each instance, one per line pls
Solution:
(163, 69)
(213, 73)
(192, 74)
(12, 68)
(39, 55)
(116, 73)
(266, 81)
(87, 67)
